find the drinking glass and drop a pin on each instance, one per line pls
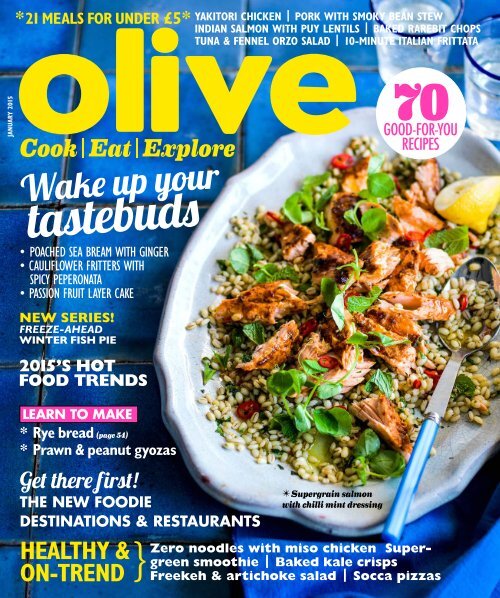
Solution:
(482, 80)
(407, 42)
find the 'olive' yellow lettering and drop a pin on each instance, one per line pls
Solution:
(94, 94)
(287, 93)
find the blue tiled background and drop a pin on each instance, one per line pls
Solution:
(166, 479)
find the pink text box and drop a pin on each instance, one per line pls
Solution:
(78, 414)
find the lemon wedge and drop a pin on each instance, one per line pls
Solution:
(470, 201)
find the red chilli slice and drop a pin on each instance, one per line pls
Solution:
(246, 409)
(342, 161)
(463, 302)
(275, 217)
(434, 375)
(417, 383)
(415, 235)
(344, 242)
(308, 326)
(327, 361)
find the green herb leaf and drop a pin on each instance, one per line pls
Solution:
(387, 463)
(240, 259)
(373, 221)
(222, 265)
(375, 164)
(464, 386)
(285, 424)
(325, 197)
(328, 390)
(368, 444)
(358, 338)
(293, 208)
(222, 359)
(382, 380)
(337, 309)
(387, 341)
(208, 372)
(312, 367)
(362, 470)
(302, 418)
(255, 332)
(255, 254)
(351, 217)
(381, 184)
(271, 273)
(335, 422)
(286, 382)
(453, 240)
(359, 304)
(237, 337)
(314, 180)
(328, 290)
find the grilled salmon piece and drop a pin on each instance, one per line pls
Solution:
(266, 303)
(379, 261)
(313, 347)
(422, 307)
(327, 259)
(334, 217)
(433, 261)
(355, 377)
(415, 218)
(395, 320)
(381, 415)
(296, 240)
(274, 351)
(427, 176)
(356, 178)
(335, 337)
(404, 277)
(401, 358)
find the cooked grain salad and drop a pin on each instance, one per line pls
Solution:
(325, 343)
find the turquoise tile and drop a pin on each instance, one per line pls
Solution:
(196, 122)
(10, 565)
(14, 279)
(14, 460)
(135, 320)
(165, 479)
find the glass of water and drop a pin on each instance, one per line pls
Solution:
(412, 33)
(482, 80)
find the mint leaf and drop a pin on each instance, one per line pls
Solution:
(359, 304)
(452, 240)
(302, 419)
(387, 341)
(314, 180)
(464, 386)
(328, 390)
(373, 222)
(208, 372)
(255, 254)
(293, 208)
(328, 290)
(222, 359)
(335, 422)
(337, 309)
(271, 273)
(285, 424)
(255, 332)
(387, 464)
(312, 367)
(382, 380)
(368, 444)
(240, 260)
(358, 338)
(381, 184)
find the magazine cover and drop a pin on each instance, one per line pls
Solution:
(250, 299)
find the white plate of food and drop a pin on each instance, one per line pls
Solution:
(291, 429)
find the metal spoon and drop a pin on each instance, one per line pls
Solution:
(436, 408)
